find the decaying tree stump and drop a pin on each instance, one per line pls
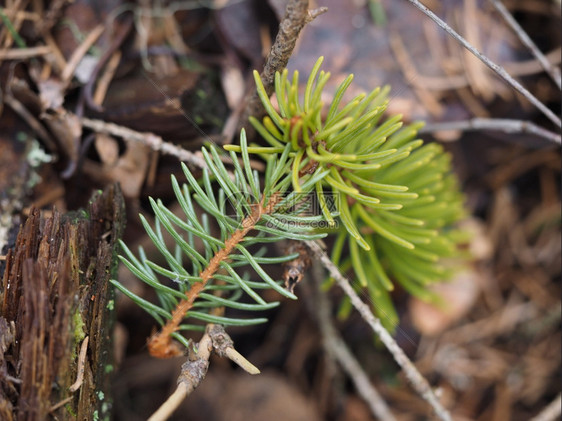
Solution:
(56, 295)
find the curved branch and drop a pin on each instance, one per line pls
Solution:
(296, 17)
(420, 384)
(500, 124)
(552, 71)
(498, 69)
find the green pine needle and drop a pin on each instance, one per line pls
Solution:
(391, 200)
(397, 197)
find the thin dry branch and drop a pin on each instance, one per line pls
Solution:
(22, 14)
(80, 52)
(192, 373)
(150, 139)
(499, 124)
(296, 17)
(30, 119)
(242, 362)
(419, 382)
(552, 71)
(87, 91)
(194, 370)
(550, 412)
(60, 404)
(24, 53)
(156, 143)
(172, 403)
(106, 77)
(337, 349)
(498, 69)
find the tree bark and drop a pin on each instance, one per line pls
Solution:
(55, 293)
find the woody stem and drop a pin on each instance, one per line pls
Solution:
(159, 345)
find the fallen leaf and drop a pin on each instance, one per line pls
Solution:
(458, 296)
(107, 149)
(67, 130)
(130, 170)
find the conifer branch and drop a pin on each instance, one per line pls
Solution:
(399, 228)
(160, 345)
(196, 293)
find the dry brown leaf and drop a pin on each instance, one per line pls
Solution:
(130, 170)
(233, 85)
(458, 296)
(480, 246)
(67, 130)
(107, 149)
(51, 93)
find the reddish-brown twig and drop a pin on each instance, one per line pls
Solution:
(160, 345)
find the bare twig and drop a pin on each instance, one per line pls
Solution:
(337, 349)
(60, 404)
(120, 36)
(22, 14)
(192, 373)
(419, 382)
(223, 346)
(242, 362)
(23, 53)
(150, 139)
(80, 52)
(504, 125)
(445, 83)
(58, 60)
(26, 115)
(296, 17)
(550, 412)
(552, 71)
(195, 369)
(106, 77)
(498, 69)
(156, 143)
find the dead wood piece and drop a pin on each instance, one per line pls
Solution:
(55, 292)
